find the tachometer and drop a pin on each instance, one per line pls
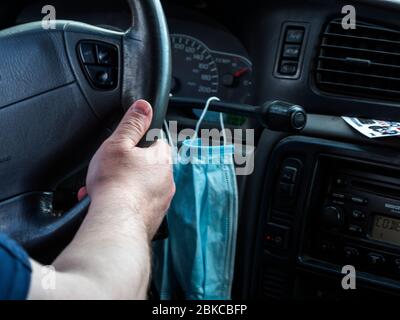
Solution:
(194, 70)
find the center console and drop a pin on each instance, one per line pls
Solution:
(329, 205)
(355, 216)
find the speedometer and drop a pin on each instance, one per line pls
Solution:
(194, 70)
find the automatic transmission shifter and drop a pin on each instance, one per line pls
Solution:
(283, 116)
(274, 115)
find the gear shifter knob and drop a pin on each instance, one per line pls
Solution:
(283, 116)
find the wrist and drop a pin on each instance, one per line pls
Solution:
(111, 198)
(119, 210)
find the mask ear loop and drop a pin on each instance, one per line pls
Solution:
(169, 136)
(169, 139)
(221, 121)
(203, 114)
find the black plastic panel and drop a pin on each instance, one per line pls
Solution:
(291, 224)
(263, 39)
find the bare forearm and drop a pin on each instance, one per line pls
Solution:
(109, 255)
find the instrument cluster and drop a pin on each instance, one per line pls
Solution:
(208, 60)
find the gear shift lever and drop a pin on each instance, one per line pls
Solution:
(274, 115)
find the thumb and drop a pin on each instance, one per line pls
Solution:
(135, 123)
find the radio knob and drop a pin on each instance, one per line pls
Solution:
(333, 216)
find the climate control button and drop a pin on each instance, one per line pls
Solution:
(358, 200)
(358, 214)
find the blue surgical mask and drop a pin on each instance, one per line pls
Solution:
(199, 254)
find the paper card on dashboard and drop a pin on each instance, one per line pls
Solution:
(374, 128)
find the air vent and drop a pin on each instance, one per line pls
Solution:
(360, 62)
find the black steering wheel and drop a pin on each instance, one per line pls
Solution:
(61, 86)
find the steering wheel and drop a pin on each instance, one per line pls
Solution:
(61, 86)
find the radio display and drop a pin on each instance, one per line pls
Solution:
(386, 229)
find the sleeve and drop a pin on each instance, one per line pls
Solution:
(15, 270)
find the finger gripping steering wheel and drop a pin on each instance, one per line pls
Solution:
(59, 90)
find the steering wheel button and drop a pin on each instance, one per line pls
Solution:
(87, 53)
(106, 55)
(102, 77)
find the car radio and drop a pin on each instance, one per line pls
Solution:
(356, 216)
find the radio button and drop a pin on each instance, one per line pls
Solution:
(397, 263)
(329, 247)
(350, 253)
(358, 214)
(338, 195)
(375, 259)
(358, 200)
(339, 181)
(333, 216)
(355, 229)
(338, 202)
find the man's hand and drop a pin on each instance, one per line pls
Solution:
(139, 178)
(130, 190)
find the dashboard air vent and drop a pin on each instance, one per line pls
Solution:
(360, 62)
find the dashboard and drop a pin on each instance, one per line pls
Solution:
(235, 52)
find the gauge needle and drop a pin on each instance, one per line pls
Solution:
(240, 72)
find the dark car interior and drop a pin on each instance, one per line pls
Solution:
(313, 201)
